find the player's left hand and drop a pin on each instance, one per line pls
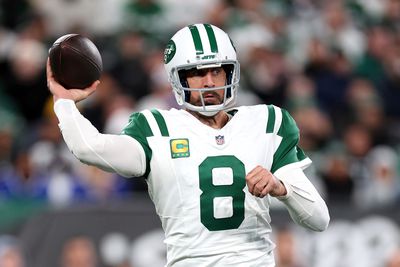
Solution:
(262, 182)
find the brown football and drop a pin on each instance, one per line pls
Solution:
(75, 61)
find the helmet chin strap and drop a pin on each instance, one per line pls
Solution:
(209, 113)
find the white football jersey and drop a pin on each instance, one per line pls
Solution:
(196, 179)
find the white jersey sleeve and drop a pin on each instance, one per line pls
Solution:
(115, 153)
(305, 205)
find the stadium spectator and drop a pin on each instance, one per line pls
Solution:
(286, 254)
(382, 184)
(23, 78)
(79, 251)
(394, 259)
(11, 253)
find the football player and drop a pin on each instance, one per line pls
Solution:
(211, 167)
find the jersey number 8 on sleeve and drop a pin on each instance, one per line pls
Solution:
(211, 191)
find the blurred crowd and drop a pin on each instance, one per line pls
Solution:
(335, 65)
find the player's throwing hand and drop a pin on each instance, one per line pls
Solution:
(59, 91)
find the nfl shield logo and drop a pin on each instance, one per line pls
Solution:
(220, 139)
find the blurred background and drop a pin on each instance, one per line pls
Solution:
(335, 65)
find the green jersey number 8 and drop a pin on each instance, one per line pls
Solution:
(211, 191)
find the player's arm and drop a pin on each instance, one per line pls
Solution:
(116, 153)
(305, 205)
(292, 187)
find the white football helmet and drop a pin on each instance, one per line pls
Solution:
(201, 46)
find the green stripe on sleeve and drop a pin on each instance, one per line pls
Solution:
(271, 119)
(139, 129)
(288, 125)
(211, 38)
(288, 151)
(196, 39)
(161, 122)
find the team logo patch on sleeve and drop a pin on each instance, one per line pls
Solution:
(179, 148)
